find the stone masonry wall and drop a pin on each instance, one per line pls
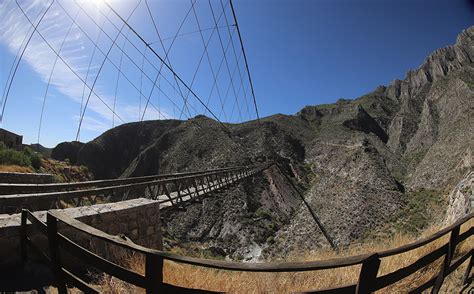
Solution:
(137, 219)
(26, 178)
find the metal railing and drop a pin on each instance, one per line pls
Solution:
(170, 190)
(10, 189)
(368, 281)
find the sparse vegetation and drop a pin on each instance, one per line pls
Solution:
(34, 157)
(262, 213)
(422, 208)
(30, 161)
(12, 168)
(65, 172)
(242, 282)
(27, 157)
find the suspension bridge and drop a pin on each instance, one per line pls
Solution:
(128, 73)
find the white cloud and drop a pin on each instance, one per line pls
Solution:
(92, 124)
(39, 56)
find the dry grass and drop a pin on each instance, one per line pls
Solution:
(242, 282)
(15, 168)
(65, 172)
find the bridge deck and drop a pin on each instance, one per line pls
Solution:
(187, 194)
(169, 190)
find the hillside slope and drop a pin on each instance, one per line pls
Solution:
(358, 162)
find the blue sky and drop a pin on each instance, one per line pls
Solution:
(299, 52)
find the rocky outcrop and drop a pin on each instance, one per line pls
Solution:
(239, 222)
(416, 87)
(363, 122)
(45, 151)
(110, 154)
(461, 199)
(67, 151)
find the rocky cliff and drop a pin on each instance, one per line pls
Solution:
(356, 162)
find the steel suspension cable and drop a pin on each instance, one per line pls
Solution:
(21, 55)
(30, 31)
(110, 60)
(220, 67)
(64, 61)
(233, 49)
(141, 84)
(189, 33)
(214, 85)
(90, 63)
(125, 53)
(238, 91)
(51, 76)
(206, 44)
(226, 61)
(167, 65)
(118, 78)
(217, 75)
(245, 59)
(167, 56)
(100, 70)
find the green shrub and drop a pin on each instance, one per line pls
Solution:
(421, 208)
(271, 240)
(35, 161)
(262, 213)
(10, 156)
(35, 158)
(26, 157)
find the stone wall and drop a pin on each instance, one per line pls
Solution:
(137, 219)
(26, 178)
(11, 140)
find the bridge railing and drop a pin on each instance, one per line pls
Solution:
(369, 280)
(9, 189)
(175, 188)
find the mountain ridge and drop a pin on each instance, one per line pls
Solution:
(358, 161)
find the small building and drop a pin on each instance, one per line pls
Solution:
(10, 139)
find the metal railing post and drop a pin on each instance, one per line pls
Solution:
(465, 279)
(195, 183)
(209, 183)
(178, 190)
(212, 178)
(219, 180)
(188, 188)
(447, 259)
(368, 274)
(24, 236)
(153, 273)
(53, 244)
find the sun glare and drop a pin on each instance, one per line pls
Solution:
(98, 3)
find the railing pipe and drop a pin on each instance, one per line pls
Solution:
(368, 274)
(24, 237)
(55, 256)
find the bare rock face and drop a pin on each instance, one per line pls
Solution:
(445, 133)
(67, 150)
(351, 192)
(412, 91)
(108, 155)
(461, 199)
(363, 122)
(240, 222)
